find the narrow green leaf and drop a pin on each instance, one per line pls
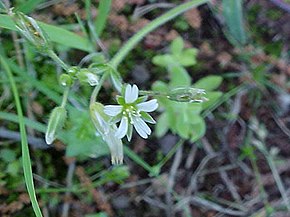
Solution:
(28, 6)
(24, 144)
(233, 14)
(103, 12)
(208, 83)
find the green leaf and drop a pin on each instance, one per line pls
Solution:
(163, 60)
(160, 86)
(81, 137)
(7, 155)
(176, 46)
(14, 168)
(103, 12)
(212, 98)
(209, 83)
(187, 57)
(198, 130)
(233, 14)
(162, 125)
(182, 127)
(27, 169)
(179, 76)
(28, 6)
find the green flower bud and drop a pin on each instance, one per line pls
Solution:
(187, 94)
(86, 76)
(73, 71)
(55, 123)
(65, 80)
(30, 29)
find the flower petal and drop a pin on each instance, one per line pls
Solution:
(129, 132)
(112, 110)
(149, 106)
(131, 93)
(123, 128)
(141, 127)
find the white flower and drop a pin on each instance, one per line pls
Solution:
(132, 111)
(107, 131)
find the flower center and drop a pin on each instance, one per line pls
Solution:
(131, 111)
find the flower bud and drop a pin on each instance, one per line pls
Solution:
(86, 76)
(73, 71)
(30, 29)
(187, 94)
(55, 123)
(107, 131)
(65, 80)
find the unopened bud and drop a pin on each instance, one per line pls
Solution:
(29, 28)
(73, 71)
(86, 76)
(65, 80)
(55, 123)
(187, 94)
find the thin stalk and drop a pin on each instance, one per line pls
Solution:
(98, 87)
(53, 56)
(276, 175)
(65, 96)
(137, 159)
(225, 97)
(24, 144)
(170, 153)
(130, 44)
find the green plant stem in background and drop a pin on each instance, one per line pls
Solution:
(53, 56)
(24, 144)
(65, 96)
(103, 12)
(131, 43)
(170, 153)
(98, 87)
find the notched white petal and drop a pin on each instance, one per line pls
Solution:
(149, 106)
(131, 93)
(123, 128)
(112, 110)
(141, 128)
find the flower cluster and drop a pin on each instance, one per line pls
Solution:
(132, 111)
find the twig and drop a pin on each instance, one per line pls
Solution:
(191, 156)
(198, 201)
(69, 177)
(193, 179)
(171, 180)
(36, 143)
(230, 185)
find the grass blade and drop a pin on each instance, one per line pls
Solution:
(103, 12)
(24, 144)
(29, 6)
(233, 14)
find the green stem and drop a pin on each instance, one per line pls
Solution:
(98, 87)
(24, 144)
(65, 96)
(130, 44)
(53, 56)
(170, 153)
